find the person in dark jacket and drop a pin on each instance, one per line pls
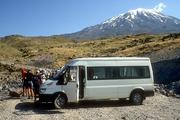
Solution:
(29, 78)
(36, 83)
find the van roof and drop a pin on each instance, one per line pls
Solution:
(110, 58)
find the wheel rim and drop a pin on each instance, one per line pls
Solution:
(60, 101)
(137, 98)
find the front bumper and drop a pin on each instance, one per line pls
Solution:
(46, 97)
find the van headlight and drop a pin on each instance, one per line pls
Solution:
(49, 84)
(42, 90)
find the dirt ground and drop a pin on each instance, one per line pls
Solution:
(158, 107)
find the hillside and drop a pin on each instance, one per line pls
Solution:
(57, 50)
(54, 51)
(30, 49)
(26, 50)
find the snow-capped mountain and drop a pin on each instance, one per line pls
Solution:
(135, 21)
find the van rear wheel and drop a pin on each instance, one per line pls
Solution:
(60, 101)
(136, 98)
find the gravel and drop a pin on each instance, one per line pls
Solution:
(158, 107)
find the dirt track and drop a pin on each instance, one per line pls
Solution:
(158, 107)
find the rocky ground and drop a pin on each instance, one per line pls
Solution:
(158, 107)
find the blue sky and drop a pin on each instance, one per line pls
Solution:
(53, 17)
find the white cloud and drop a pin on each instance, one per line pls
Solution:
(160, 7)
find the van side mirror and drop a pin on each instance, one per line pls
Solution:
(59, 82)
(65, 82)
(66, 79)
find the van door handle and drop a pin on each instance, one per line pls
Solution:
(77, 85)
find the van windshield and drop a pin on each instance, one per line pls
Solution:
(60, 73)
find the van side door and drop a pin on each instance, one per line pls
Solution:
(70, 87)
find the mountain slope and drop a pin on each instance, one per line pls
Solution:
(133, 22)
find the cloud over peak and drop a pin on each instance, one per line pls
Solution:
(160, 7)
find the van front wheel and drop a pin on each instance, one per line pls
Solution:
(136, 98)
(60, 101)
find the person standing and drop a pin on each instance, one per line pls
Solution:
(43, 76)
(24, 81)
(36, 83)
(30, 84)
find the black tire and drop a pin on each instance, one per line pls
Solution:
(60, 101)
(122, 99)
(136, 98)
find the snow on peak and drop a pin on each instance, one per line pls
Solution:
(131, 14)
(145, 12)
(112, 19)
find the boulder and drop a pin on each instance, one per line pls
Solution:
(1, 88)
(14, 93)
(5, 87)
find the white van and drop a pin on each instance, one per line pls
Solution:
(100, 78)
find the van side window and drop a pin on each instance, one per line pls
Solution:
(121, 72)
(73, 73)
(134, 72)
